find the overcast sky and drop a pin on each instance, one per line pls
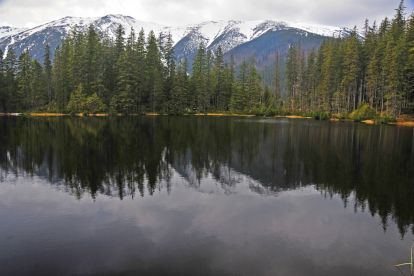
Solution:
(28, 13)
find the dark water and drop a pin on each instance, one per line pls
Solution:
(204, 196)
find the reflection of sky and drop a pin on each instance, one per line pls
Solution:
(294, 233)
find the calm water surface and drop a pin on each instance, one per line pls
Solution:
(204, 196)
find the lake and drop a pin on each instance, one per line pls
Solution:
(204, 196)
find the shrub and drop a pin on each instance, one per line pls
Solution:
(121, 103)
(384, 119)
(94, 104)
(320, 115)
(80, 103)
(363, 112)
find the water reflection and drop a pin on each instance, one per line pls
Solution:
(139, 156)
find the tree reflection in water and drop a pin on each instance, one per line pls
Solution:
(138, 155)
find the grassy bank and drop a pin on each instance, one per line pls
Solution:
(370, 119)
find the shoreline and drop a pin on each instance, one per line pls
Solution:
(403, 121)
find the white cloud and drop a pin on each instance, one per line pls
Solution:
(180, 12)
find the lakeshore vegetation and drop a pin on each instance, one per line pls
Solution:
(368, 75)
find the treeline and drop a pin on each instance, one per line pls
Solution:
(375, 71)
(93, 74)
(355, 76)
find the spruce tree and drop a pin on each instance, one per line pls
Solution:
(154, 85)
(170, 69)
(277, 95)
(3, 97)
(200, 99)
(48, 72)
(10, 68)
(140, 69)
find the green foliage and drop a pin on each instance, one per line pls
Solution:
(94, 104)
(363, 112)
(121, 103)
(51, 107)
(79, 102)
(135, 75)
(384, 119)
(320, 115)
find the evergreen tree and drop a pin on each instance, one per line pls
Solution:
(254, 88)
(275, 99)
(3, 96)
(240, 98)
(48, 72)
(140, 69)
(410, 64)
(219, 96)
(90, 72)
(200, 98)
(154, 82)
(10, 83)
(169, 74)
(38, 96)
(93, 63)
(179, 93)
(349, 84)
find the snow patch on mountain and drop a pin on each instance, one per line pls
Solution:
(235, 32)
(6, 31)
(225, 34)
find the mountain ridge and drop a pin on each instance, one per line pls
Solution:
(228, 34)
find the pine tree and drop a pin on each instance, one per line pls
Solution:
(119, 41)
(170, 69)
(254, 89)
(38, 86)
(200, 98)
(229, 83)
(3, 91)
(48, 72)
(410, 64)
(63, 79)
(349, 83)
(126, 86)
(394, 63)
(277, 95)
(179, 96)
(240, 98)
(140, 69)
(219, 97)
(93, 63)
(292, 76)
(23, 92)
(154, 83)
(10, 68)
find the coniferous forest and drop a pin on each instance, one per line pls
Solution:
(364, 74)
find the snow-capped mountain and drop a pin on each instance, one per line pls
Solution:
(230, 35)
(9, 31)
(262, 38)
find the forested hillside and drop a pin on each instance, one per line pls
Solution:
(344, 74)
(92, 73)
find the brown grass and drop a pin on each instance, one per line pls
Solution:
(368, 122)
(405, 123)
(297, 117)
(46, 114)
(223, 115)
(99, 115)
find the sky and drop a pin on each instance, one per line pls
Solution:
(344, 13)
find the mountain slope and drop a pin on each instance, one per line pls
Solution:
(239, 38)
